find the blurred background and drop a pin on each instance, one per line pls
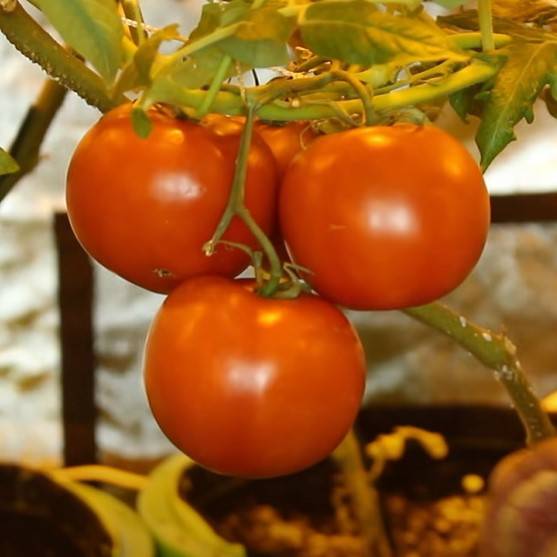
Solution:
(514, 288)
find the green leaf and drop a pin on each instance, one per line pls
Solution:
(252, 37)
(467, 101)
(92, 27)
(137, 72)
(469, 20)
(7, 164)
(358, 33)
(141, 123)
(194, 72)
(260, 38)
(529, 68)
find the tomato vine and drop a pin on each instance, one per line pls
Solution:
(338, 65)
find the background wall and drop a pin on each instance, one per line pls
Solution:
(513, 287)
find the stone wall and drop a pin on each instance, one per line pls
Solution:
(513, 287)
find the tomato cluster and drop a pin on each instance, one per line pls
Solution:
(378, 217)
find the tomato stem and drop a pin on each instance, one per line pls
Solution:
(37, 45)
(236, 207)
(215, 86)
(133, 12)
(231, 103)
(486, 25)
(497, 352)
(362, 92)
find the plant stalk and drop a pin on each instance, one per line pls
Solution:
(37, 45)
(215, 86)
(486, 25)
(364, 497)
(227, 102)
(132, 11)
(27, 143)
(496, 352)
(236, 207)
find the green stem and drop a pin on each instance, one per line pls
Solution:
(265, 94)
(497, 352)
(37, 45)
(361, 91)
(203, 42)
(236, 207)
(271, 285)
(133, 12)
(236, 197)
(214, 88)
(311, 63)
(231, 103)
(474, 40)
(486, 25)
(26, 146)
(364, 497)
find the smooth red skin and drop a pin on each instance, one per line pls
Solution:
(144, 208)
(385, 217)
(250, 386)
(286, 141)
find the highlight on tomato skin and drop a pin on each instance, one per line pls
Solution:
(393, 217)
(144, 208)
(249, 386)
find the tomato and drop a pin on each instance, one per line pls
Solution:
(385, 217)
(250, 386)
(286, 141)
(144, 208)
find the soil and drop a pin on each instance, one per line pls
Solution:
(427, 510)
(39, 518)
(308, 515)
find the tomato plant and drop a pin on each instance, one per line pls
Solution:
(145, 207)
(252, 386)
(393, 216)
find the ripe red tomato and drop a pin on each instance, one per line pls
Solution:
(286, 141)
(385, 217)
(251, 386)
(144, 207)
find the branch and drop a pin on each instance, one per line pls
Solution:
(26, 146)
(496, 352)
(37, 45)
(227, 102)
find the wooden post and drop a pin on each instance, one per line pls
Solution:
(75, 299)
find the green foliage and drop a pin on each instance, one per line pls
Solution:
(529, 67)
(92, 27)
(252, 37)
(137, 72)
(7, 164)
(358, 33)
(260, 36)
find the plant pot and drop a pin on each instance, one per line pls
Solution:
(44, 515)
(184, 503)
